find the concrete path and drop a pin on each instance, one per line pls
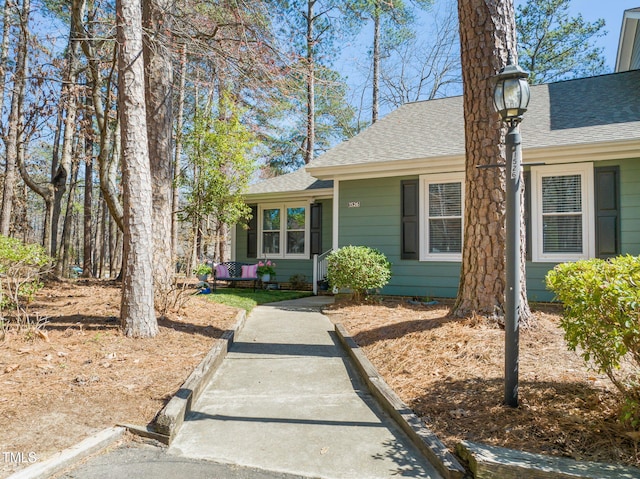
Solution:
(287, 399)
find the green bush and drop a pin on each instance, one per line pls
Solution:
(358, 268)
(20, 268)
(601, 319)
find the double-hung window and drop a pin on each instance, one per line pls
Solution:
(284, 231)
(442, 208)
(562, 214)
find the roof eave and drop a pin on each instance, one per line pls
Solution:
(312, 194)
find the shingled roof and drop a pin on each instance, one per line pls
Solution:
(298, 181)
(575, 112)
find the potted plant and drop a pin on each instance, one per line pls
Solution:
(202, 271)
(266, 269)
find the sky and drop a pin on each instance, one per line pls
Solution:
(612, 12)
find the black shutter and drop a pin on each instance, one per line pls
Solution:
(607, 186)
(316, 228)
(252, 233)
(527, 213)
(410, 220)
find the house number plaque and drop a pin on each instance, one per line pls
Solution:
(354, 204)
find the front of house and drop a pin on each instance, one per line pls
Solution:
(399, 187)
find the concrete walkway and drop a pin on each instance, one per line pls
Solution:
(287, 399)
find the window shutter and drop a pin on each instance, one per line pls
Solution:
(607, 186)
(527, 213)
(252, 233)
(316, 228)
(410, 220)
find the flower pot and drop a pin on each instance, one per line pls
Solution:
(266, 278)
(203, 277)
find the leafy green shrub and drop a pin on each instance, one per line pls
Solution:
(20, 268)
(358, 268)
(602, 319)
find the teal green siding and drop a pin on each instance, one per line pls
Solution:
(376, 223)
(285, 268)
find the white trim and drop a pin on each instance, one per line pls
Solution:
(336, 215)
(588, 220)
(425, 181)
(283, 230)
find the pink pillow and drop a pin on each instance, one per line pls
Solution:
(249, 271)
(222, 271)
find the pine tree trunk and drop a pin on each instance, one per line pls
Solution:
(88, 243)
(137, 312)
(311, 80)
(487, 33)
(15, 121)
(178, 153)
(376, 62)
(159, 93)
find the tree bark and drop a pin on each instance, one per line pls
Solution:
(15, 120)
(89, 242)
(137, 314)
(178, 153)
(311, 81)
(159, 93)
(487, 33)
(375, 87)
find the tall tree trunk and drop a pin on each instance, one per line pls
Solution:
(4, 49)
(311, 80)
(62, 267)
(376, 62)
(159, 93)
(487, 33)
(88, 243)
(70, 102)
(107, 159)
(178, 153)
(16, 120)
(137, 314)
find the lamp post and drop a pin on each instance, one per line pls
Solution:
(511, 98)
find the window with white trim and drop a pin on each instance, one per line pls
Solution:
(284, 231)
(562, 212)
(442, 207)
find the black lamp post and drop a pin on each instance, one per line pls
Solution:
(511, 98)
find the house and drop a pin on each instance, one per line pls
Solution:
(379, 189)
(629, 45)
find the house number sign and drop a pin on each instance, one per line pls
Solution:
(354, 204)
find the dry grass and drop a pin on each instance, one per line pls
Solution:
(450, 372)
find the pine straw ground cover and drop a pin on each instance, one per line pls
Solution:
(81, 375)
(450, 372)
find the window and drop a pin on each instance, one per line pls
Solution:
(562, 218)
(284, 231)
(442, 209)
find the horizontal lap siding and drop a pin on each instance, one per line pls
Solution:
(376, 223)
(285, 268)
(630, 201)
(629, 227)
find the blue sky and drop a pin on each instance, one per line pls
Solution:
(612, 12)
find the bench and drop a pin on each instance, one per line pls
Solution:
(232, 271)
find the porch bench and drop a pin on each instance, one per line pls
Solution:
(232, 271)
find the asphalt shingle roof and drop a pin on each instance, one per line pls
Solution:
(585, 111)
(299, 180)
(574, 112)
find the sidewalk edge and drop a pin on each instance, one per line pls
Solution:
(71, 455)
(172, 416)
(428, 443)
